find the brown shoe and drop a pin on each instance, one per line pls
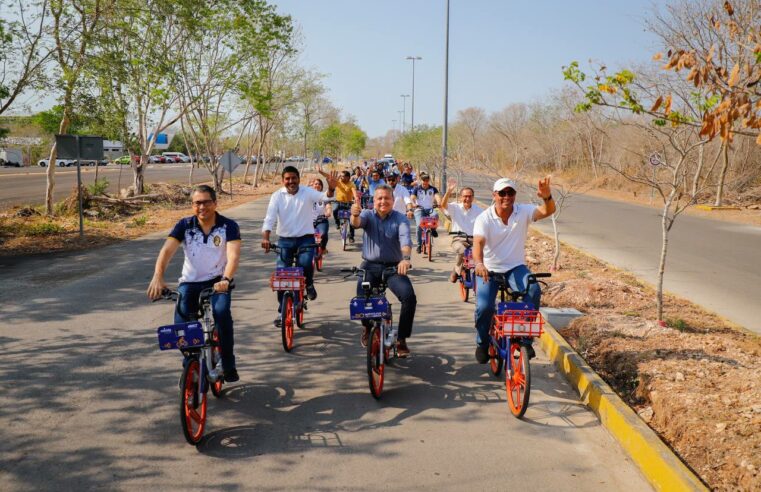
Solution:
(401, 348)
(453, 277)
(365, 336)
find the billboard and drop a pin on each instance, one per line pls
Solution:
(162, 141)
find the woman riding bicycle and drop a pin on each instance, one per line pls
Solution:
(320, 213)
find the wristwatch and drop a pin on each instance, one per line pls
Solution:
(229, 280)
(406, 257)
(547, 199)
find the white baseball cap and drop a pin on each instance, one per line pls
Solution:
(503, 183)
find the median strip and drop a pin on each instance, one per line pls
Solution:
(662, 468)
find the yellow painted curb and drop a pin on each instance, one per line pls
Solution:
(660, 466)
(712, 208)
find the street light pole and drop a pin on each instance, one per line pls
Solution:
(413, 58)
(404, 109)
(401, 121)
(446, 106)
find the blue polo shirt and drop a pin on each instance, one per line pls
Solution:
(205, 255)
(384, 238)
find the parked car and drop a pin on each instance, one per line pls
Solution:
(124, 160)
(176, 156)
(59, 162)
(327, 160)
(156, 159)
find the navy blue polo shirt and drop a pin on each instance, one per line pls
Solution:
(205, 255)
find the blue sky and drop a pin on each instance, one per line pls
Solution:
(501, 51)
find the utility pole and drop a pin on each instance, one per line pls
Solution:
(404, 109)
(413, 58)
(446, 106)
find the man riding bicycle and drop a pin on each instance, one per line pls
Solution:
(291, 207)
(463, 216)
(402, 201)
(499, 248)
(424, 197)
(211, 244)
(345, 189)
(386, 243)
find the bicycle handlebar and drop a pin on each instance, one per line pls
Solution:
(461, 234)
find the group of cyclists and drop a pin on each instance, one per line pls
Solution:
(383, 197)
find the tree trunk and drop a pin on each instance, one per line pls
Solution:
(698, 171)
(662, 262)
(259, 164)
(556, 256)
(97, 168)
(50, 173)
(722, 176)
(138, 178)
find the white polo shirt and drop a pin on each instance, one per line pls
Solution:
(505, 246)
(462, 220)
(293, 213)
(401, 199)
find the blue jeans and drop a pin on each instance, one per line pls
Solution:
(487, 294)
(419, 214)
(322, 226)
(187, 310)
(288, 255)
(400, 285)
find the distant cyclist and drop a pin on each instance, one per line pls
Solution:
(211, 244)
(345, 189)
(499, 247)
(424, 197)
(463, 216)
(320, 213)
(407, 178)
(402, 200)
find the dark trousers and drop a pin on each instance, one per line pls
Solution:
(187, 310)
(400, 285)
(322, 226)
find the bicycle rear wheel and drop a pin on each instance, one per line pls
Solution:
(375, 362)
(286, 327)
(216, 356)
(429, 245)
(192, 408)
(519, 385)
(495, 361)
(464, 291)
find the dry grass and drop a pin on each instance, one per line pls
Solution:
(696, 381)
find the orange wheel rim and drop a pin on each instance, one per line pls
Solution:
(516, 385)
(289, 323)
(493, 362)
(463, 289)
(378, 366)
(195, 414)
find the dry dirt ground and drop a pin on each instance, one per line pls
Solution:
(695, 381)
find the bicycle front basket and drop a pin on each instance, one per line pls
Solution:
(429, 222)
(519, 323)
(181, 336)
(288, 278)
(344, 214)
(369, 308)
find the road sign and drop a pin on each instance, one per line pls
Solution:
(655, 159)
(229, 161)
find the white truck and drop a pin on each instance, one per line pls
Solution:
(11, 157)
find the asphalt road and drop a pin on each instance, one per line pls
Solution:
(712, 263)
(26, 186)
(88, 401)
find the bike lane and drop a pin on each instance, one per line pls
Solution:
(88, 400)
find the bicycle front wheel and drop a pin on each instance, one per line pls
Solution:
(429, 245)
(519, 384)
(375, 362)
(286, 327)
(344, 235)
(495, 361)
(192, 406)
(216, 356)
(464, 291)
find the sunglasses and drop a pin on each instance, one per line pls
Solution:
(506, 192)
(204, 203)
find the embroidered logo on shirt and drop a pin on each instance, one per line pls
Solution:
(217, 240)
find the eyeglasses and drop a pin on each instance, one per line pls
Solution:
(466, 196)
(204, 203)
(506, 192)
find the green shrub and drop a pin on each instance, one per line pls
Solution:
(43, 229)
(140, 221)
(99, 187)
(677, 323)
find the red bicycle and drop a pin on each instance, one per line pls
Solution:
(428, 224)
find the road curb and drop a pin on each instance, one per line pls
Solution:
(660, 466)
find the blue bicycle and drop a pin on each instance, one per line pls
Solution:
(202, 367)
(373, 306)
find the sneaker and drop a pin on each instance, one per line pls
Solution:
(419, 248)
(402, 350)
(351, 240)
(453, 277)
(482, 354)
(530, 352)
(231, 376)
(324, 252)
(311, 292)
(365, 336)
(434, 233)
(278, 322)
